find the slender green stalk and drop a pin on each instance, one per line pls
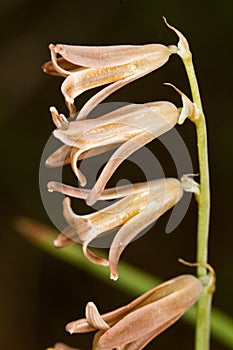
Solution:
(202, 338)
(132, 280)
(204, 198)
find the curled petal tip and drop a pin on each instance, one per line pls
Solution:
(94, 318)
(83, 181)
(81, 177)
(47, 163)
(56, 243)
(70, 328)
(52, 109)
(44, 68)
(114, 276)
(50, 186)
(59, 119)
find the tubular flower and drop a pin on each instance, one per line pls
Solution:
(141, 205)
(127, 129)
(87, 67)
(133, 326)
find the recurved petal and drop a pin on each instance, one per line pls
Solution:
(63, 154)
(68, 190)
(82, 325)
(48, 67)
(109, 193)
(94, 318)
(75, 156)
(59, 119)
(92, 257)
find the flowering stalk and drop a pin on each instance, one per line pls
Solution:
(85, 68)
(204, 304)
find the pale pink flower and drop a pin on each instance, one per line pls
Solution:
(128, 129)
(87, 67)
(143, 203)
(133, 326)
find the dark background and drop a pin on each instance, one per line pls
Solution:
(38, 293)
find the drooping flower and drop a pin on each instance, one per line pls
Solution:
(128, 129)
(143, 203)
(133, 326)
(87, 67)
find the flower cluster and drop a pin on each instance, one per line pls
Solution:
(124, 130)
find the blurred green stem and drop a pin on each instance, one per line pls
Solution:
(132, 280)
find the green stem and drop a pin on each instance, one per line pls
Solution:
(202, 338)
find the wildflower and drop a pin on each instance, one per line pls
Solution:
(141, 205)
(127, 129)
(87, 67)
(134, 325)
